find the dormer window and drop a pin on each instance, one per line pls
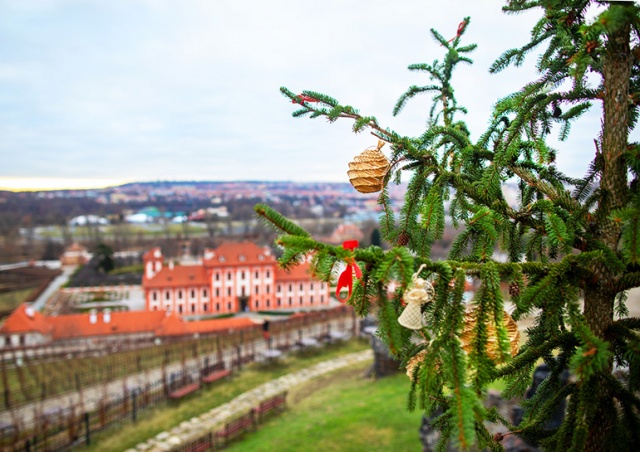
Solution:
(241, 258)
(222, 258)
(260, 257)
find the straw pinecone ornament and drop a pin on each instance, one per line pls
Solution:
(414, 362)
(493, 348)
(367, 170)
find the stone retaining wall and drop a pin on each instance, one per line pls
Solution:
(214, 419)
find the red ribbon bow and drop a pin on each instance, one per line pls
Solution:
(461, 26)
(346, 277)
(303, 98)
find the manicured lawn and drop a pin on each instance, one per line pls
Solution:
(343, 411)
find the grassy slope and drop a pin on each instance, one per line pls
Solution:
(341, 412)
(167, 416)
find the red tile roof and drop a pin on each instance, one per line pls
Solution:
(79, 325)
(179, 276)
(240, 253)
(75, 246)
(301, 272)
(23, 320)
(76, 326)
(149, 255)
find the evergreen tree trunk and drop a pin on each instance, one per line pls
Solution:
(600, 294)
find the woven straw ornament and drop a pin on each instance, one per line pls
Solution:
(493, 348)
(414, 362)
(418, 293)
(367, 170)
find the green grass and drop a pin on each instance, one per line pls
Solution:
(168, 415)
(137, 268)
(11, 300)
(343, 411)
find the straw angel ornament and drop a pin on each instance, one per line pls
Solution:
(419, 292)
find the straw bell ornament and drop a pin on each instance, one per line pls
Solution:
(419, 293)
(367, 170)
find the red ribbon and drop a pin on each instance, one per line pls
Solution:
(303, 98)
(345, 280)
(461, 26)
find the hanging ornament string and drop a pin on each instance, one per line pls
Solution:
(418, 293)
(461, 26)
(345, 280)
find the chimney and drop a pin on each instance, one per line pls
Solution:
(106, 316)
(170, 265)
(29, 311)
(93, 316)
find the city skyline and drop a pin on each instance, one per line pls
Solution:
(99, 94)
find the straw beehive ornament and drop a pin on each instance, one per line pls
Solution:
(367, 170)
(493, 348)
(419, 293)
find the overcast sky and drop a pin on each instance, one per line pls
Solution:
(127, 90)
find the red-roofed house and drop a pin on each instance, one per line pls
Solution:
(26, 327)
(239, 276)
(75, 254)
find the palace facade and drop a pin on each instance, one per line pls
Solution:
(235, 277)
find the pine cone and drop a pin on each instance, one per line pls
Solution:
(514, 289)
(403, 239)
